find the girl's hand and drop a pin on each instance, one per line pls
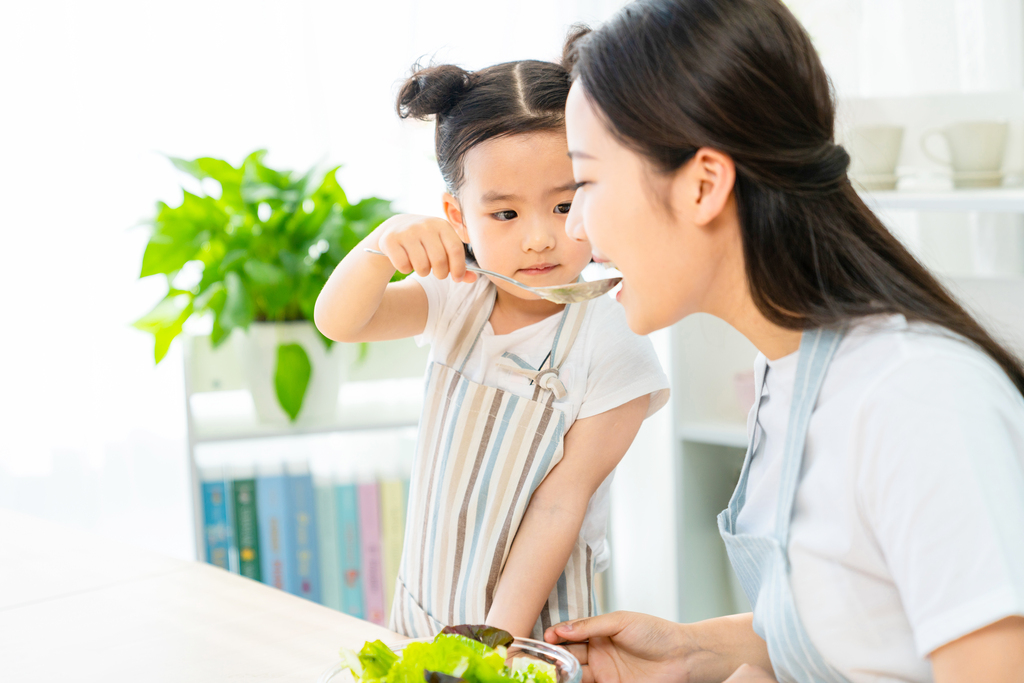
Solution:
(424, 244)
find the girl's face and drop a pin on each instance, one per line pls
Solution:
(649, 225)
(512, 208)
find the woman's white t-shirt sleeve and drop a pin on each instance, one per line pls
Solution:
(943, 470)
(623, 365)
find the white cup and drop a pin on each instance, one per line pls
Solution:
(976, 150)
(874, 152)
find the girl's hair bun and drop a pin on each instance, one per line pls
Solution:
(570, 50)
(433, 90)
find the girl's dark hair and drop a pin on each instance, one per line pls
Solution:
(742, 77)
(473, 106)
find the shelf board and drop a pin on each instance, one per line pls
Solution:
(996, 200)
(384, 404)
(733, 434)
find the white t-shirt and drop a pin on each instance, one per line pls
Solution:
(908, 527)
(607, 366)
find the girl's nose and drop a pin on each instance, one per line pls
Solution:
(574, 224)
(539, 237)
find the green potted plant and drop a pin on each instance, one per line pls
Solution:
(253, 252)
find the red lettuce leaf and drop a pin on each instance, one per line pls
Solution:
(488, 635)
(438, 677)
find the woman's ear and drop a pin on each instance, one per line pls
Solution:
(702, 187)
(453, 212)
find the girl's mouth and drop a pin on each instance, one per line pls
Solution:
(540, 269)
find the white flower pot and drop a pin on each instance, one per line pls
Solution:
(258, 355)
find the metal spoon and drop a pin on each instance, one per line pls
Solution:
(560, 294)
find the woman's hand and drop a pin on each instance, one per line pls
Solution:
(623, 647)
(750, 674)
(424, 244)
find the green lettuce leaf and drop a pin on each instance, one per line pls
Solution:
(376, 659)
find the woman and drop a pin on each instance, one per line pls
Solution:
(878, 524)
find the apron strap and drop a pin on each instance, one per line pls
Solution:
(817, 347)
(739, 496)
(470, 333)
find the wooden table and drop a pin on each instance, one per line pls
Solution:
(75, 607)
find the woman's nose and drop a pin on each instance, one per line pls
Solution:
(574, 224)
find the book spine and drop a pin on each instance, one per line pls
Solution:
(216, 532)
(392, 524)
(349, 547)
(304, 535)
(329, 550)
(247, 537)
(371, 551)
(276, 547)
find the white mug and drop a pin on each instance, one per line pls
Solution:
(874, 152)
(976, 150)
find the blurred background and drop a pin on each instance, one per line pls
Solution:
(97, 95)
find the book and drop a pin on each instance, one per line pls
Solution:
(247, 537)
(327, 538)
(277, 549)
(302, 517)
(216, 528)
(371, 552)
(350, 562)
(392, 525)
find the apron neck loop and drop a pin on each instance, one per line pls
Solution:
(817, 347)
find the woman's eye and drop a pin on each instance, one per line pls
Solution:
(505, 215)
(563, 208)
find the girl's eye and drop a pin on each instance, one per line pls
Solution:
(505, 215)
(563, 208)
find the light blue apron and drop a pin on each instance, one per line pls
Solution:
(761, 562)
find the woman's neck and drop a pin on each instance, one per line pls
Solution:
(735, 305)
(512, 313)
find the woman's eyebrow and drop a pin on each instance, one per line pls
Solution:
(568, 187)
(581, 155)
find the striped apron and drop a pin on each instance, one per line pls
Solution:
(761, 562)
(480, 455)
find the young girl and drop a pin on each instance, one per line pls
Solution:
(529, 405)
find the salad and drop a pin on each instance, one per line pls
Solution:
(466, 654)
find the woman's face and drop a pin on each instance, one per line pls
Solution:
(648, 224)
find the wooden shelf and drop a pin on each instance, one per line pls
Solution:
(380, 404)
(996, 200)
(714, 433)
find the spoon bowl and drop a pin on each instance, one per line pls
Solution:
(571, 293)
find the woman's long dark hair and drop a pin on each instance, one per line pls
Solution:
(742, 77)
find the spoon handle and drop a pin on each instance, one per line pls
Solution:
(517, 283)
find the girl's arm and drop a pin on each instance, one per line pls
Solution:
(551, 525)
(994, 654)
(360, 303)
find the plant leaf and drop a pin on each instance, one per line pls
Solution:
(238, 308)
(482, 633)
(164, 322)
(291, 378)
(264, 274)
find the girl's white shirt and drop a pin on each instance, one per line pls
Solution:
(607, 366)
(908, 527)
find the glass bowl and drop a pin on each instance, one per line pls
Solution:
(569, 670)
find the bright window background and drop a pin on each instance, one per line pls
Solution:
(93, 95)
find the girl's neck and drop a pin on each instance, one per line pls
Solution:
(512, 313)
